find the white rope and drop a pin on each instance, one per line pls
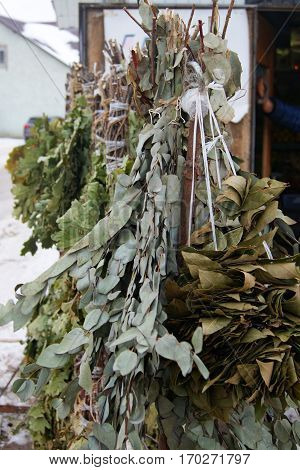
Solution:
(193, 181)
(206, 147)
(114, 159)
(199, 116)
(212, 114)
(267, 249)
(152, 113)
(112, 145)
(114, 119)
(222, 139)
(214, 143)
(118, 106)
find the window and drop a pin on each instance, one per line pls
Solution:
(3, 57)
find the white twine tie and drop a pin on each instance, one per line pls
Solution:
(205, 148)
(199, 117)
(214, 141)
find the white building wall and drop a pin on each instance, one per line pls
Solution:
(67, 10)
(32, 83)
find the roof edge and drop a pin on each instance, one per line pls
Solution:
(13, 26)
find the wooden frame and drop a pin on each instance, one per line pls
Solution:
(92, 35)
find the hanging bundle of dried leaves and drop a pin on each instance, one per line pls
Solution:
(173, 338)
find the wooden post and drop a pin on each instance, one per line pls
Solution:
(241, 141)
(267, 135)
(266, 148)
(187, 182)
(242, 131)
(266, 56)
(95, 39)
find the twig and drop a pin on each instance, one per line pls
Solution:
(134, 59)
(136, 21)
(228, 16)
(10, 340)
(189, 25)
(14, 409)
(9, 382)
(214, 7)
(152, 439)
(191, 52)
(200, 22)
(154, 10)
(195, 33)
(187, 183)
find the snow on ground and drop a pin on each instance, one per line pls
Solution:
(54, 40)
(28, 10)
(14, 269)
(13, 434)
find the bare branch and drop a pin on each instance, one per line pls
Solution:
(228, 16)
(136, 21)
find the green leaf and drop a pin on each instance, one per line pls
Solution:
(30, 303)
(253, 334)
(85, 377)
(135, 440)
(207, 443)
(48, 358)
(197, 340)
(201, 367)
(91, 319)
(182, 355)
(173, 189)
(32, 288)
(62, 408)
(23, 388)
(218, 67)
(212, 325)
(106, 435)
(238, 183)
(282, 430)
(110, 225)
(125, 253)
(236, 68)
(42, 380)
(226, 113)
(58, 268)
(211, 40)
(266, 370)
(166, 345)
(74, 339)
(128, 335)
(296, 428)
(256, 198)
(146, 14)
(107, 284)
(155, 184)
(165, 406)
(95, 319)
(125, 362)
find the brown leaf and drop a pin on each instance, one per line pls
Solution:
(266, 369)
(211, 325)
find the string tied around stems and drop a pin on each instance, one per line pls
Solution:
(196, 103)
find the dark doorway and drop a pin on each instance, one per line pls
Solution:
(277, 148)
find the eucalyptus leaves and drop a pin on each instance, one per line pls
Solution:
(168, 330)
